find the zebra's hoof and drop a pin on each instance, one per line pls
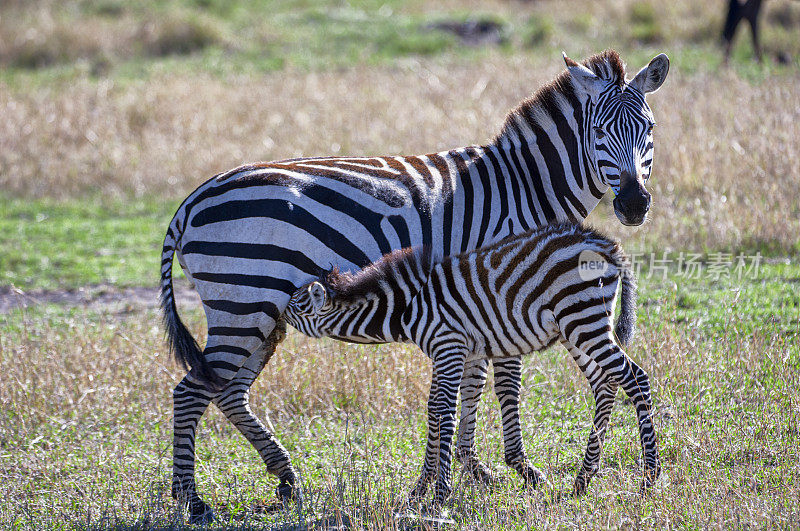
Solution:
(202, 517)
(580, 486)
(441, 494)
(287, 492)
(417, 493)
(481, 473)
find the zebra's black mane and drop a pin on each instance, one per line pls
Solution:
(347, 286)
(607, 65)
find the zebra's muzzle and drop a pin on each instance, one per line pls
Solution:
(632, 204)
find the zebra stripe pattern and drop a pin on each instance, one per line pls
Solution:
(506, 300)
(249, 237)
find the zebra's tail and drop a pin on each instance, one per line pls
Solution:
(626, 322)
(182, 345)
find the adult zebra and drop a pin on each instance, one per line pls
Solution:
(248, 238)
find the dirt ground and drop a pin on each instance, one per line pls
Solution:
(95, 297)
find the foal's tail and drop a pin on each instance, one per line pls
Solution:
(626, 322)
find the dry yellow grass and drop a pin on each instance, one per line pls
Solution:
(46, 36)
(85, 431)
(726, 171)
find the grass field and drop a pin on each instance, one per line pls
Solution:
(114, 111)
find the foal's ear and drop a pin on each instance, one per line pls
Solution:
(318, 295)
(651, 77)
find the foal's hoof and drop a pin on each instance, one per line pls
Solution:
(579, 487)
(481, 473)
(199, 511)
(651, 475)
(535, 479)
(646, 487)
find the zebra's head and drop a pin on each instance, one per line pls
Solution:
(307, 309)
(619, 132)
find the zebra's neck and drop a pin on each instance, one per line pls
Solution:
(545, 150)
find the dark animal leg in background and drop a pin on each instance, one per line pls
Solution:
(753, 20)
(736, 12)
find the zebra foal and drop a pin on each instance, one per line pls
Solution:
(555, 283)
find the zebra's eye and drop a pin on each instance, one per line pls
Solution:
(599, 133)
(650, 128)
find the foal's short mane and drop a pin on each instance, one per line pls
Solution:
(349, 286)
(607, 65)
(346, 286)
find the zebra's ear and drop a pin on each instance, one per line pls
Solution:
(318, 295)
(651, 77)
(583, 78)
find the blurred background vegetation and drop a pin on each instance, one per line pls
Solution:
(112, 111)
(108, 101)
(132, 39)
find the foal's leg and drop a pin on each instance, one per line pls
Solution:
(472, 385)
(507, 374)
(449, 368)
(636, 383)
(507, 382)
(604, 387)
(431, 447)
(604, 396)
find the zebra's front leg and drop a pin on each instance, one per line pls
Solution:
(507, 383)
(234, 402)
(472, 386)
(190, 400)
(431, 447)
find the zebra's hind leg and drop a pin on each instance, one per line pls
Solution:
(604, 396)
(190, 400)
(234, 402)
(636, 384)
(604, 387)
(507, 381)
(230, 352)
(472, 385)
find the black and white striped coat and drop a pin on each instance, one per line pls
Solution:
(248, 238)
(555, 283)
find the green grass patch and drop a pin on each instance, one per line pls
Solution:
(127, 41)
(763, 297)
(49, 244)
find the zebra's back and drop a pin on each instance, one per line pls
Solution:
(519, 295)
